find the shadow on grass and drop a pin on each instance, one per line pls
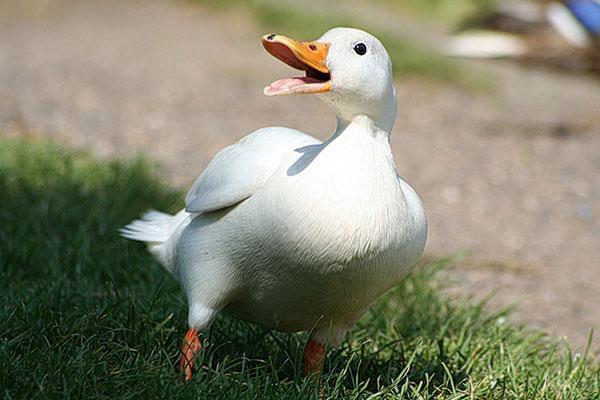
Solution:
(90, 315)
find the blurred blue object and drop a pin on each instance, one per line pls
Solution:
(587, 13)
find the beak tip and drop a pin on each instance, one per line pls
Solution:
(269, 37)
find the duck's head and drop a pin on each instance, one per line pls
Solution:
(348, 68)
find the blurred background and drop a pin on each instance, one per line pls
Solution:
(498, 118)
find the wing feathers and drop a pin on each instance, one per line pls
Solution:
(239, 170)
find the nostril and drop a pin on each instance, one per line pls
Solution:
(313, 47)
(271, 36)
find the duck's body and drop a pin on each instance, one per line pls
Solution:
(331, 229)
(291, 233)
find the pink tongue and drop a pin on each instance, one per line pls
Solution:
(285, 84)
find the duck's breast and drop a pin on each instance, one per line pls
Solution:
(329, 237)
(338, 204)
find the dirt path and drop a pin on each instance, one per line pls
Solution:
(511, 177)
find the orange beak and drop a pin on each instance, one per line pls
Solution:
(310, 57)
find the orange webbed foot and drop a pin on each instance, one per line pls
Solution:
(314, 355)
(192, 344)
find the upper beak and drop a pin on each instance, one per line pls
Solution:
(298, 54)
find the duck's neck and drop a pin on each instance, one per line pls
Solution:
(382, 114)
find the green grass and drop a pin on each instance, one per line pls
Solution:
(88, 315)
(408, 59)
(451, 12)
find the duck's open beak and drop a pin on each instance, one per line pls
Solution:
(310, 57)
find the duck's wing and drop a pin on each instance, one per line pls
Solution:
(237, 171)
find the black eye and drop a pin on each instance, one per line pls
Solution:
(360, 49)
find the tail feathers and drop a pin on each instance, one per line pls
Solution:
(153, 227)
(158, 230)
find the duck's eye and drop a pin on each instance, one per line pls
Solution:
(360, 49)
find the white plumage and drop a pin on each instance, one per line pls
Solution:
(245, 167)
(291, 233)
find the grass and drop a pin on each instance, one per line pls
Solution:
(450, 12)
(408, 59)
(89, 315)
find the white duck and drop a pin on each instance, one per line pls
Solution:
(288, 232)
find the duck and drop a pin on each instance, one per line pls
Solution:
(289, 232)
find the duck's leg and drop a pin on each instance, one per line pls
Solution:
(192, 344)
(314, 351)
(200, 318)
(314, 355)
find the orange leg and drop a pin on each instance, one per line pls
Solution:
(190, 348)
(314, 354)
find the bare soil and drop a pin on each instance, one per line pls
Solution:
(509, 177)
